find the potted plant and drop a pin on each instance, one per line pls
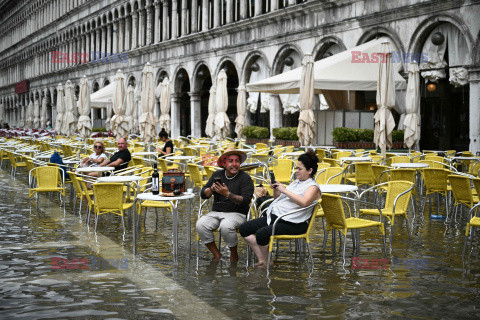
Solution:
(286, 136)
(347, 138)
(256, 134)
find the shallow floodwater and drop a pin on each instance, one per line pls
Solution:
(54, 266)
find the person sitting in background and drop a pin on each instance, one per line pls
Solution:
(168, 147)
(97, 157)
(121, 158)
(299, 194)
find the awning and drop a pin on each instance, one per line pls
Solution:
(102, 97)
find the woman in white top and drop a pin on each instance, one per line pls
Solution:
(97, 157)
(299, 194)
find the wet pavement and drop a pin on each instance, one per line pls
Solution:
(54, 266)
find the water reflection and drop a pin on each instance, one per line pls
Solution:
(428, 277)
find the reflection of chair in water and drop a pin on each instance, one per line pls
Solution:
(335, 216)
(462, 191)
(306, 236)
(435, 183)
(473, 222)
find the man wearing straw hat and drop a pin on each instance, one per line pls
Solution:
(233, 191)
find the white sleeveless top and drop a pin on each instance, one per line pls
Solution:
(284, 204)
(94, 156)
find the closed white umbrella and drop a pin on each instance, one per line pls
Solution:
(84, 124)
(30, 115)
(69, 122)
(412, 101)
(210, 127)
(36, 114)
(60, 109)
(147, 119)
(384, 122)
(120, 126)
(131, 115)
(222, 123)
(165, 105)
(241, 109)
(306, 120)
(43, 114)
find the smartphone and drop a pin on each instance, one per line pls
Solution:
(272, 177)
(217, 179)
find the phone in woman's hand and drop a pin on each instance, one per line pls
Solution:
(272, 178)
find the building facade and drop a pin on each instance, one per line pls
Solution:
(47, 42)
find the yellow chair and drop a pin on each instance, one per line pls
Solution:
(48, 179)
(260, 146)
(335, 218)
(109, 199)
(321, 154)
(397, 159)
(363, 174)
(323, 165)
(341, 154)
(306, 236)
(473, 222)
(283, 170)
(330, 176)
(462, 191)
(398, 197)
(378, 172)
(435, 181)
(376, 159)
(331, 162)
(79, 192)
(196, 175)
(15, 163)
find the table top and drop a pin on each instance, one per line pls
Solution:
(43, 156)
(180, 158)
(337, 188)
(318, 147)
(120, 179)
(410, 165)
(353, 159)
(95, 169)
(465, 158)
(71, 161)
(291, 154)
(145, 153)
(27, 150)
(150, 196)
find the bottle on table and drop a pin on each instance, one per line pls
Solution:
(155, 180)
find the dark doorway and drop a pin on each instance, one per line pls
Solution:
(184, 104)
(445, 117)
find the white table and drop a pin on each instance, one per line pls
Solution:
(71, 161)
(355, 159)
(120, 179)
(145, 153)
(173, 201)
(43, 156)
(184, 158)
(338, 188)
(95, 169)
(414, 165)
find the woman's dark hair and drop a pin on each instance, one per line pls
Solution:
(310, 161)
(163, 133)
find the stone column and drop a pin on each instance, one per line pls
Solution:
(195, 114)
(156, 36)
(194, 17)
(184, 18)
(128, 28)
(274, 5)
(108, 49)
(149, 26)
(88, 49)
(82, 50)
(258, 7)
(141, 28)
(205, 15)
(98, 45)
(229, 11)
(474, 110)
(243, 10)
(134, 29)
(175, 116)
(216, 13)
(275, 113)
(174, 20)
(121, 35)
(165, 21)
(115, 36)
(291, 3)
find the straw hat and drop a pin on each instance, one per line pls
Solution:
(231, 151)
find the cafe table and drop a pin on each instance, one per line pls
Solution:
(174, 202)
(95, 169)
